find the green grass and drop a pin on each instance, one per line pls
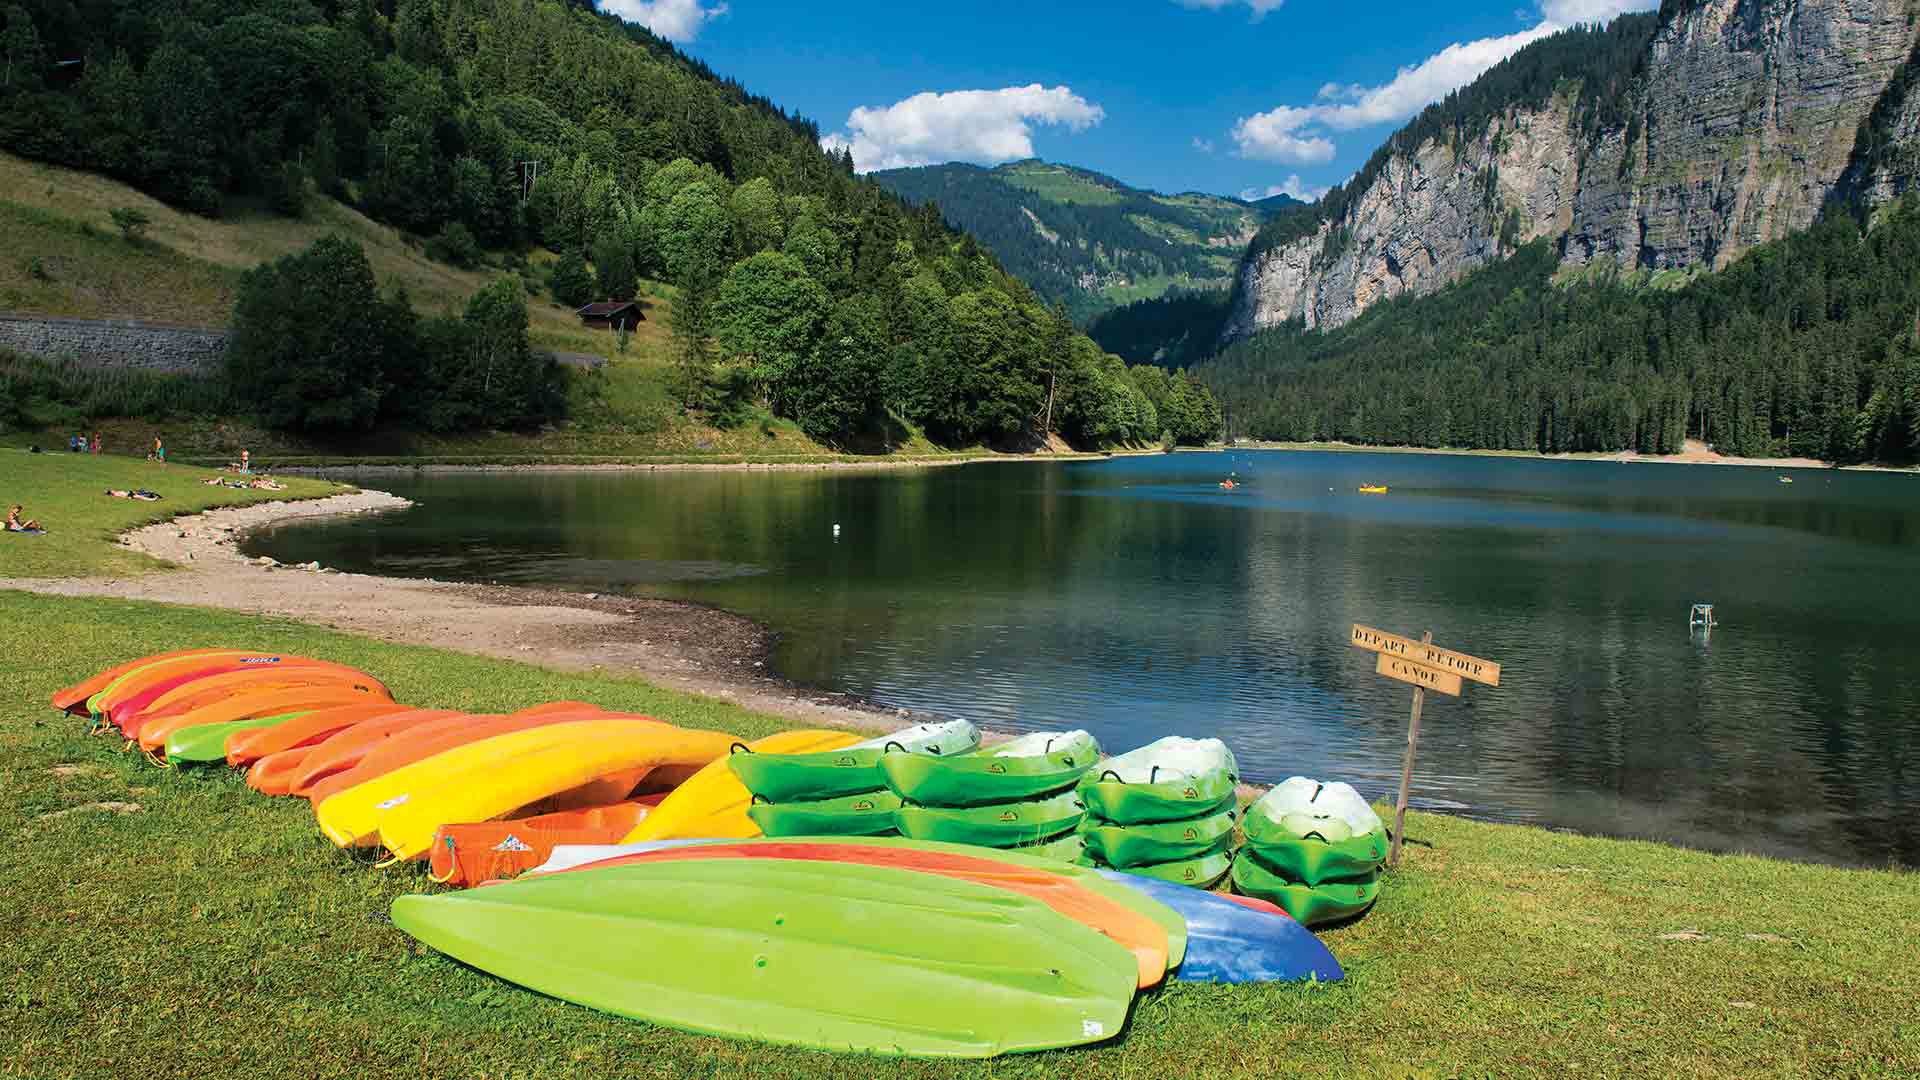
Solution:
(1055, 184)
(66, 493)
(214, 932)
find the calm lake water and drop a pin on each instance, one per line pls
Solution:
(1134, 598)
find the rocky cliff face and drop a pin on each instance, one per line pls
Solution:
(1741, 127)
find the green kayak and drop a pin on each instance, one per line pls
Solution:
(783, 778)
(1066, 848)
(830, 956)
(202, 743)
(1168, 919)
(1124, 846)
(1025, 768)
(1171, 779)
(1310, 831)
(1001, 825)
(1310, 905)
(1202, 872)
(867, 814)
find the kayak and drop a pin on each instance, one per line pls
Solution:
(1001, 825)
(1024, 768)
(1170, 779)
(1091, 907)
(72, 699)
(469, 854)
(1202, 872)
(138, 680)
(830, 956)
(350, 747)
(354, 814)
(1312, 905)
(713, 802)
(472, 784)
(1065, 848)
(870, 813)
(196, 691)
(1312, 832)
(565, 858)
(1230, 943)
(154, 733)
(310, 730)
(206, 743)
(851, 770)
(1122, 846)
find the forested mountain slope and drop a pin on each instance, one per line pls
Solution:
(1671, 141)
(824, 297)
(1085, 239)
(1807, 346)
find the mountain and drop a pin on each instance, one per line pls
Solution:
(498, 131)
(1668, 143)
(1085, 239)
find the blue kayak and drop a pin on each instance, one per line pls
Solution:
(1232, 943)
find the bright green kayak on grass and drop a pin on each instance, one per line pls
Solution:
(1000, 825)
(1066, 848)
(1310, 905)
(1124, 846)
(1023, 768)
(202, 743)
(853, 770)
(1311, 860)
(831, 956)
(1170, 779)
(867, 814)
(1202, 872)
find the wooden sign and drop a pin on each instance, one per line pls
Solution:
(1427, 667)
(1441, 682)
(1427, 655)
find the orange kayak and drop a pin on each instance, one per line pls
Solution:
(1143, 937)
(174, 672)
(153, 733)
(206, 690)
(557, 706)
(73, 698)
(345, 750)
(465, 855)
(246, 747)
(426, 740)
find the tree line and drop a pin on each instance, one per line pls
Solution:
(1806, 346)
(496, 125)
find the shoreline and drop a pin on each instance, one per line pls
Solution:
(1696, 454)
(674, 644)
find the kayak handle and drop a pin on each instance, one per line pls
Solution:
(759, 800)
(891, 746)
(1153, 774)
(453, 858)
(1104, 773)
(739, 748)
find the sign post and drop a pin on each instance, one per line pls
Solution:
(1426, 667)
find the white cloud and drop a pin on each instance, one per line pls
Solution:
(982, 126)
(1260, 7)
(676, 20)
(1298, 134)
(1205, 146)
(1293, 187)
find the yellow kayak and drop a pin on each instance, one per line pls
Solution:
(713, 802)
(352, 815)
(1373, 489)
(498, 787)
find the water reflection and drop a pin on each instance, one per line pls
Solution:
(1135, 598)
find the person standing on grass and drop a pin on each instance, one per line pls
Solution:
(96, 442)
(159, 452)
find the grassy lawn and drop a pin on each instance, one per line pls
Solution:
(66, 493)
(214, 932)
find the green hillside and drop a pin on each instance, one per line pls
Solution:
(1086, 240)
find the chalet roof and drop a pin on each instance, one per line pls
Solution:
(607, 307)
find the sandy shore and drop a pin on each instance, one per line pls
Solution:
(679, 645)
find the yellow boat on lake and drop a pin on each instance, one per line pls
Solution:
(1373, 489)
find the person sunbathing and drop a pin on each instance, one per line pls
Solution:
(142, 494)
(14, 524)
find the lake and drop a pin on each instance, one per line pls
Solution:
(1135, 598)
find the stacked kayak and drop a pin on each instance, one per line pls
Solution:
(841, 791)
(930, 949)
(1313, 848)
(1164, 811)
(1017, 794)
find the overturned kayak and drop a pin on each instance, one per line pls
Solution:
(1312, 832)
(309, 730)
(831, 956)
(73, 699)
(1000, 825)
(1170, 779)
(349, 748)
(1228, 942)
(1122, 846)
(1312, 905)
(1023, 768)
(851, 770)
(1081, 900)
(206, 743)
(469, 854)
(252, 706)
(204, 690)
(713, 802)
(870, 813)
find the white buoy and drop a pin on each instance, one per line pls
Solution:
(836, 528)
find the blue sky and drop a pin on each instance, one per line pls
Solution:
(1226, 96)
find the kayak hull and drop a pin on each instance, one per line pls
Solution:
(1230, 943)
(868, 814)
(1001, 825)
(1122, 846)
(713, 802)
(984, 777)
(1311, 905)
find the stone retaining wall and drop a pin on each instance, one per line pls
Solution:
(115, 343)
